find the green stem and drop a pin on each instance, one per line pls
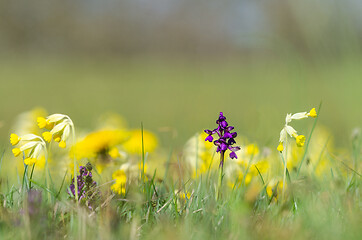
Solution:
(31, 175)
(143, 156)
(221, 169)
(284, 159)
(25, 174)
(75, 166)
(308, 141)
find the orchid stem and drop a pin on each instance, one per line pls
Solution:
(221, 169)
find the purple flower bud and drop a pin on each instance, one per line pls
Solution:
(229, 128)
(223, 146)
(224, 124)
(233, 155)
(209, 138)
(208, 131)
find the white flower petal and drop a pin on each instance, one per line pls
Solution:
(59, 127)
(56, 117)
(291, 131)
(300, 115)
(28, 145)
(288, 118)
(66, 133)
(30, 137)
(283, 135)
(36, 151)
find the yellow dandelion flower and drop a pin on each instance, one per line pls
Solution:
(114, 153)
(14, 139)
(119, 185)
(118, 188)
(96, 144)
(134, 144)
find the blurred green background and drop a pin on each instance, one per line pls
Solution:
(176, 64)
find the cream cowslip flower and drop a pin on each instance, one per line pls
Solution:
(288, 130)
(31, 146)
(60, 127)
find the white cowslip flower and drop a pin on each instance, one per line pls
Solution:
(30, 144)
(288, 130)
(60, 126)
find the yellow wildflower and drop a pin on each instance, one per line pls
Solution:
(16, 152)
(300, 140)
(312, 113)
(134, 144)
(14, 139)
(101, 144)
(62, 144)
(288, 130)
(32, 146)
(119, 185)
(114, 153)
(47, 136)
(60, 127)
(42, 122)
(29, 161)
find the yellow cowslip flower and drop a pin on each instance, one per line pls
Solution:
(119, 186)
(16, 151)
(60, 127)
(134, 144)
(300, 140)
(47, 136)
(29, 161)
(31, 145)
(312, 113)
(14, 139)
(288, 130)
(280, 147)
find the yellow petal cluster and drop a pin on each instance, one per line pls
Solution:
(134, 144)
(120, 180)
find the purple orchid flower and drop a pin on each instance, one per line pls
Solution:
(226, 137)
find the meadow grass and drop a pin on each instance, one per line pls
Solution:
(165, 202)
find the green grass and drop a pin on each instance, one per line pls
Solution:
(186, 95)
